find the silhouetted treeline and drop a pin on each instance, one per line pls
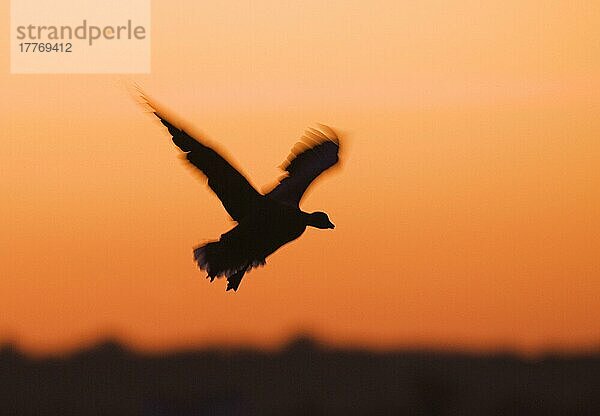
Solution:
(301, 379)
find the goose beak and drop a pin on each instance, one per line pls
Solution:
(331, 225)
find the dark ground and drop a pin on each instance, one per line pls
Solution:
(301, 379)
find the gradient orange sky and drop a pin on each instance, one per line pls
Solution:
(467, 209)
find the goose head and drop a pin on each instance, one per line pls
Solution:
(319, 220)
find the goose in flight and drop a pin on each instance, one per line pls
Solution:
(264, 222)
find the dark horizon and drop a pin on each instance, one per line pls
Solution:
(296, 338)
(302, 377)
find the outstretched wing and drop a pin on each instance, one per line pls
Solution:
(232, 188)
(316, 152)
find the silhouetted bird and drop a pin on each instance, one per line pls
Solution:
(265, 222)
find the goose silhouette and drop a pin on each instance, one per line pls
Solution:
(264, 222)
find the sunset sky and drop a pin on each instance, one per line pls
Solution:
(467, 206)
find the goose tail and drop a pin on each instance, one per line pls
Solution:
(218, 262)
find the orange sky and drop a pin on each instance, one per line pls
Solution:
(467, 210)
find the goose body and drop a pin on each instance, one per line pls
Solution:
(249, 243)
